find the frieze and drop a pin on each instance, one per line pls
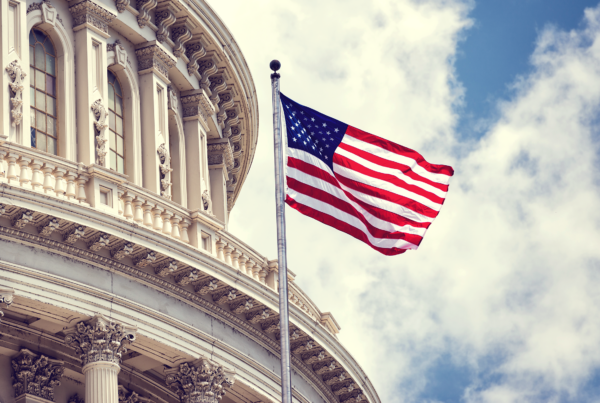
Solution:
(100, 339)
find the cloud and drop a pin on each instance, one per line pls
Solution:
(504, 289)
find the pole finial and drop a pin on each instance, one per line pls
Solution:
(275, 65)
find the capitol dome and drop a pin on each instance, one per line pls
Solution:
(127, 132)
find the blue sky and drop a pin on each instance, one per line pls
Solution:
(498, 46)
(500, 303)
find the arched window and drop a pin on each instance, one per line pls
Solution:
(115, 108)
(44, 125)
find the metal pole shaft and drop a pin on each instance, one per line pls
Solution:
(286, 382)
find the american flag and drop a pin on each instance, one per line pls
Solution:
(378, 191)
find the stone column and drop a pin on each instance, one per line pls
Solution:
(154, 63)
(35, 377)
(202, 381)
(100, 344)
(90, 26)
(6, 298)
(220, 161)
(197, 109)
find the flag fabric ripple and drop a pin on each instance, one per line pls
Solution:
(380, 192)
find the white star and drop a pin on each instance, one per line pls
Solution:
(324, 124)
(320, 149)
(293, 128)
(327, 145)
(312, 119)
(304, 142)
(336, 130)
(313, 147)
(295, 139)
(297, 124)
(325, 157)
(302, 112)
(324, 139)
(304, 118)
(329, 133)
(331, 138)
(294, 113)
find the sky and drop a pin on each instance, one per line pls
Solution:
(501, 302)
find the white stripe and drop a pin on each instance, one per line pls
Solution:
(380, 184)
(391, 156)
(372, 200)
(349, 219)
(339, 193)
(391, 171)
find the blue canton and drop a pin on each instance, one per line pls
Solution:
(312, 131)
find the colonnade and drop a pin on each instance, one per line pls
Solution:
(100, 344)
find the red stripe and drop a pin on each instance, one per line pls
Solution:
(400, 150)
(339, 225)
(383, 214)
(405, 169)
(389, 178)
(346, 207)
(389, 196)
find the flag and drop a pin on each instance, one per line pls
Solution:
(377, 191)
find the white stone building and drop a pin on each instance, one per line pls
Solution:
(127, 130)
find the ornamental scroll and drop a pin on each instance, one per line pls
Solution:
(164, 170)
(17, 75)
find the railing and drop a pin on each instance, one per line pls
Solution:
(34, 170)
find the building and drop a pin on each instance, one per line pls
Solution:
(126, 133)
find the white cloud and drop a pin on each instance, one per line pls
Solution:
(506, 280)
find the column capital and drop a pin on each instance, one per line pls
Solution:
(88, 14)
(100, 339)
(153, 58)
(220, 153)
(197, 105)
(202, 381)
(36, 375)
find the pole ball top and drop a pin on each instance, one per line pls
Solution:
(275, 65)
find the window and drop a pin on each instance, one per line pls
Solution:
(115, 124)
(42, 59)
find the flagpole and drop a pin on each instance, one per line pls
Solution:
(286, 382)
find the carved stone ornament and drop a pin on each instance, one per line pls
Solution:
(206, 202)
(21, 219)
(153, 58)
(181, 33)
(36, 375)
(100, 339)
(164, 17)
(125, 396)
(217, 84)
(186, 278)
(49, 14)
(91, 15)
(49, 226)
(74, 234)
(120, 252)
(100, 123)
(75, 399)
(166, 268)
(220, 153)
(171, 99)
(145, 258)
(194, 51)
(17, 75)
(122, 5)
(120, 53)
(99, 242)
(196, 106)
(144, 7)
(165, 170)
(207, 286)
(6, 298)
(206, 68)
(201, 382)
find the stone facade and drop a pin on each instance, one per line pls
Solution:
(119, 279)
